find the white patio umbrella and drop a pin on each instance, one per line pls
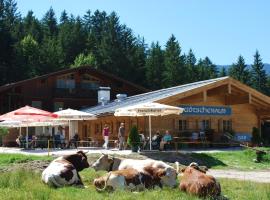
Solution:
(148, 109)
(73, 115)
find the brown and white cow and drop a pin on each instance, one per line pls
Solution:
(131, 179)
(63, 171)
(111, 164)
(195, 181)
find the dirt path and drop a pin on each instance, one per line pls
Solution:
(256, 176)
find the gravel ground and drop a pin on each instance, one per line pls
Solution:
(256, 176)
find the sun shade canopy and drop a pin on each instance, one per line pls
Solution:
(28, 114)
(70, 114)
(148, 109)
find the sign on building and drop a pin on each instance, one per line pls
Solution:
(206, 110)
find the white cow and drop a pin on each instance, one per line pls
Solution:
(64, 170)
(111, 164)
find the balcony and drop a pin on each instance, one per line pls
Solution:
(75, 93)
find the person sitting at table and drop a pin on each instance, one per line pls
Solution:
(74, 140)
(167, 138)
(19, 140)
(33, 143)
(156, 139)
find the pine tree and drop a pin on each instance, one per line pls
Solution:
(155, 66)
(240, 71)
(174, 64)
(190, 62)
(211, 69)
(258, 74)
(49, 23)
(32, 27)
(223, 72)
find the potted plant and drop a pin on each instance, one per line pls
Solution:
(134, 139)
(256, 138)
(3, 132)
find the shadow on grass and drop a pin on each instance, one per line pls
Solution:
(185, 159)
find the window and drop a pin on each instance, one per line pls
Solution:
(89, 82)
(227, 125)
(97, 129)
(206, 124)
(58, 106)
(85, 131)
(37, 104)
(182, 125)
(65, 82)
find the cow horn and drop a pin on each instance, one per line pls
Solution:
(85, 152)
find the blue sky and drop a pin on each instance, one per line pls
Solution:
(220, 29)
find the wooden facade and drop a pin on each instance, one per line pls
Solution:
(72, 88)
(248, 107)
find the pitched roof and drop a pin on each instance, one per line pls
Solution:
(152, 96)
(89, 68)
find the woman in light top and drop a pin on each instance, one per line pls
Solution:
(106, 132)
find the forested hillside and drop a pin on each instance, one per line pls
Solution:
(31, 47)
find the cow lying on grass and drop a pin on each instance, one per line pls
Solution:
(111, 164)
(131, 179)
(63, 171)
(195, 181)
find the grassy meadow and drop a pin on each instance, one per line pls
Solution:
(26, 184)
(240, 160)
(7, 159)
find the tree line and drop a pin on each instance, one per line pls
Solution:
(31, 47)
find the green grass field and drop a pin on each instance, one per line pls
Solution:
(21, 184)
(6, 159)
(27, 185)
(241, 160)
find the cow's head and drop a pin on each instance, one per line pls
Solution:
(79, 160)
(191, 167)
(103, 163)
(168, 177)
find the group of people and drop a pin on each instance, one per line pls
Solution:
(57, 140)
(158, 140)
(21, 141)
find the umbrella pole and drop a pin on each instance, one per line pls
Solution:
(69, 129)
(150, 132)
(20, 130)
(27, 137)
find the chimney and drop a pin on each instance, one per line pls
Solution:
(104, 95)
(121, 97)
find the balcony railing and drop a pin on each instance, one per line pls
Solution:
(75, 93)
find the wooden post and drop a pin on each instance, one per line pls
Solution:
(229, 88)
(204, 95)
(249, 98)
(48, 147)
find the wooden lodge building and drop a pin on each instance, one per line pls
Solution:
(214, 106)
(70, 88)
(75, 88)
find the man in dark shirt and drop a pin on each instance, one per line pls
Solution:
(121, 136)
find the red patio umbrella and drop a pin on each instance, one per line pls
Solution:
(28, 114)
(28, 110)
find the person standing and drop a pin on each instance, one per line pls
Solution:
(106, 132)
(121, 136)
